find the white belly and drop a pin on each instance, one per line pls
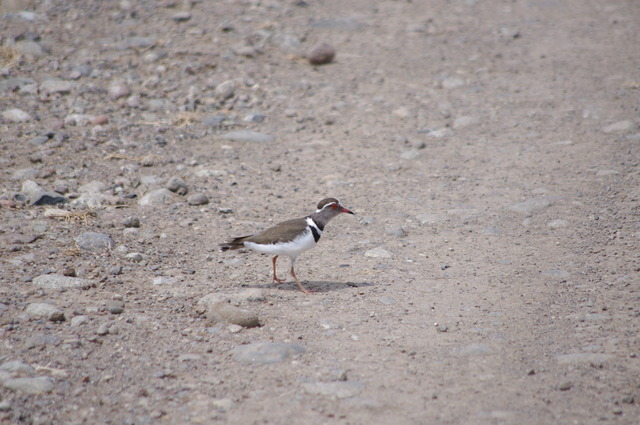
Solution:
(302, 243)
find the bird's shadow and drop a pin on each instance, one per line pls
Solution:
(315, 286)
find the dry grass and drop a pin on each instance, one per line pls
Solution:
(70, 216)
(8, 56)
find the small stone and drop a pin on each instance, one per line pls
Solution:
(234, 329)
(94, 186)
(248, 136)
(100, 120)
(387, 300)
(198, 199)
(163, 280)
(36, 385)
(266, 352)
(565, 386)
(156, 198)
(465, 121)
(94, 242)
(37, 196)
(225, 90)
(321, 54)
(177, 185)
(336, 389)
(131, 221)
(115, 306)
(17, 368)
(441, 327)
(5, 406)
(79, 320)
(16, 115)
(255, 117)
(472, 350)
(532, 205)
(118, 89)
(103, 329)
(30, 48)
(134, 256)
(54, 281)
(227, 313)
(56, 85)
(378, 252)
(619, 127)
(44, 310)
(452, 83)
(182, 16)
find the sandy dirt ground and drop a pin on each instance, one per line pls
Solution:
(490, 151)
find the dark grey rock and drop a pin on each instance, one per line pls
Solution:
(115, 306)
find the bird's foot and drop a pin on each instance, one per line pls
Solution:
(278, 281)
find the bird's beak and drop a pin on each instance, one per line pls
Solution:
(344, 210)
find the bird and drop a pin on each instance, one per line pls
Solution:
(291, 237)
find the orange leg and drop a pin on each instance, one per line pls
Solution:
(306, 291)
(275, 277)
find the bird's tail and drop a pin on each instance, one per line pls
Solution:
(235, 243)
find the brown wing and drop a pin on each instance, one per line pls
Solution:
(283, 232)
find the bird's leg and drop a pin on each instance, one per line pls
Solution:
(306, 291)
(275, 277)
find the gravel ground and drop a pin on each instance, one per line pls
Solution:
(489, 148)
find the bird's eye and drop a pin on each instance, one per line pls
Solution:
(334, 206)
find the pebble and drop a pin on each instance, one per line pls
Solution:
(565, 386)
(103, 329)
(430, 218)
(182, 16)
(266, 352)
(177, 185)
(387, 300)
(452, 83)
(115, 306)
(214, 120)
(619, 127)
(227, 313)
(472, 350)
(30, 48)
(198, 199)
(44, 310)
(321, 54)
(5, 406)
(558, 223)
(465, 121)
(163, 280)
(532, 205)
(134, 256)
(255, 117)
(55, 281)
(248, 136)
(16, 368)
(378, 252)
(337, 389)
(118, 89)
(225, 90)
(79, 320)
(56, 85)
(92, 187)
(94, 242)
(36, 385)
(156, 197)
(131, 221)
(13, 84)
(37, 196)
